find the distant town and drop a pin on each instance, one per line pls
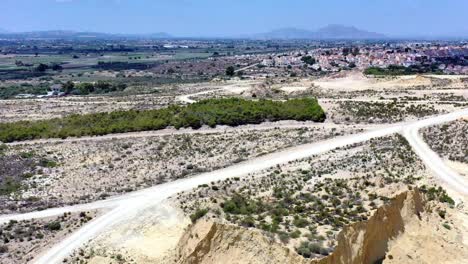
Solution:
(449, 59)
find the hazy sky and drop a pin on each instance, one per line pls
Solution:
(236, 17)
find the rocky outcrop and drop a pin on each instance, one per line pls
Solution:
(212, 242)
(367, 241)
(364, 242)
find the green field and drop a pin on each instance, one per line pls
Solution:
(93, 59)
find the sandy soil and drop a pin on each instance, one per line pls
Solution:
(150, 238)
(432, 240)
(357, 81)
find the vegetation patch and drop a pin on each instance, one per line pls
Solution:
(16, 168)
(198, 214)
(21, 241)
(395, 70)
(211, 112)
(384, 111)
(304, 205)
(449, 140)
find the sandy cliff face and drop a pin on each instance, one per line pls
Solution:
(367, 242)
(211, 242)
(364, 242)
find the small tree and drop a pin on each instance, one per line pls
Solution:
(68, 87)
(308, 60)
(41, 67)
(230, 71)
(56, 67)
(54, 226)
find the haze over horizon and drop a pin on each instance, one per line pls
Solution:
(209, 18)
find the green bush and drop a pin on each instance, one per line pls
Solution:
(284, 237)
(248, 221)
(199, 213)
(240, 205)
(48, 163)
(300, 222)
(306, 249)
(54, 226)
(9, 185)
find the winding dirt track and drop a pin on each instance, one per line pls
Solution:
(126, 207)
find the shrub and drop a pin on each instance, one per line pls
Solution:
(9, 185)
(284, 237)
(295, 234)
(54, 226)
(48, 163)
(199, 213)
(304, 250)
(300, 222)
(3, 249)
(248, 221)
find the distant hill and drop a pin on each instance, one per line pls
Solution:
(66, 34)
(328, 32)
(3, 31)
(161, 35)
(346, 32)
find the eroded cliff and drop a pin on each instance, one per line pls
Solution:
(210, 242)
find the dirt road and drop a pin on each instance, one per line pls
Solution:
(128, 206)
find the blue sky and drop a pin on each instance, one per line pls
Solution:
(236, 17)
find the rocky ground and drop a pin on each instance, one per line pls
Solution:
(307, 211)
(90, 170)
(301, 211)
(449, 140)
(305, 204)
(22, 241)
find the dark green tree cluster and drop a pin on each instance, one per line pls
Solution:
(230, 71)
(99, 87)
(394, 70)
(8, 92)
(308, 60)
(211, 112)
(44, 67)
(439, 194)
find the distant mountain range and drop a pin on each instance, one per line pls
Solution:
(66, 34)
(328, 32)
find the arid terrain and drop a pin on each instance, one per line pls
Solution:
(86, 171)
(380, 178)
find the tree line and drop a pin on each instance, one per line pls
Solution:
(99, 87)
(394, 70)
(210, 112)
